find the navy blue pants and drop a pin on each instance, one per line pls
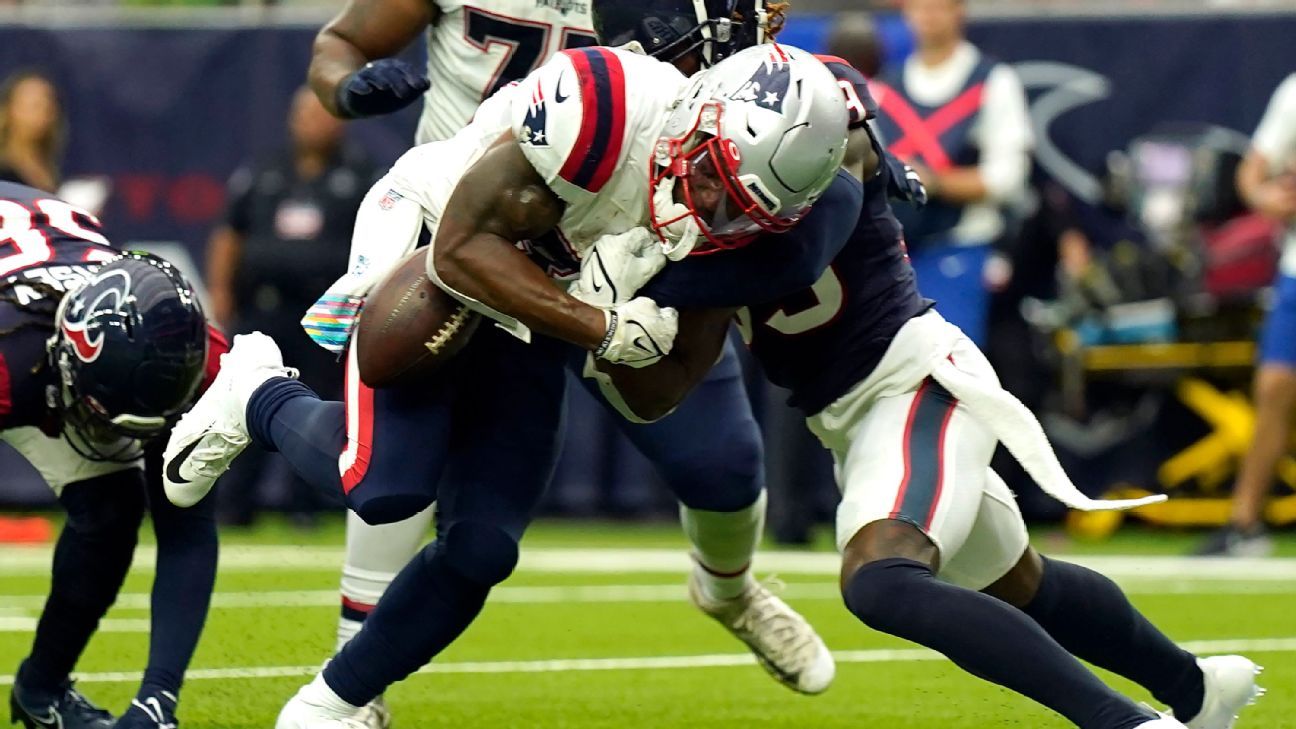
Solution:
(709, 450)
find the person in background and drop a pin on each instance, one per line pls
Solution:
(286, 237)
(854, 39)
(32, 130)
(1266, 182)
(960, 119)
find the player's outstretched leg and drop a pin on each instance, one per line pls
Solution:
(1091, 617)
(888, 582)
(215, 430)
(709, 452)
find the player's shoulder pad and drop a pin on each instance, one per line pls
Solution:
(569, 116)
(855, 87)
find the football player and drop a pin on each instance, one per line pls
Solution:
(100, 351)
(933, 547)
(709, 451)
(560, 160)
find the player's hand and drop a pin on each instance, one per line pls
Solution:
(638, 333)
(617, 266)
(906, 183)
(380, 87)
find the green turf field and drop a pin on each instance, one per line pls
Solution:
(595, 631)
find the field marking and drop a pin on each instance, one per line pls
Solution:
(18, 560)
(568, 665)
(20, 606)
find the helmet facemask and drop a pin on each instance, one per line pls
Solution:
(700, 191)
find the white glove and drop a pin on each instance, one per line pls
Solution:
(617, 266)
(638, 333)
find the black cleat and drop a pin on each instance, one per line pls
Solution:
(63, 709)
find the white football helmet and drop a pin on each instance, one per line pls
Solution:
(752, 142)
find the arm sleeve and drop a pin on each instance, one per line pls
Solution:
(238, 209)
(1003, 135)
(771, 267)
(1275, 138)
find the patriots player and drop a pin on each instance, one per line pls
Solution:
(98, 352)
(560, 160)
(933, 547)
(709, 451)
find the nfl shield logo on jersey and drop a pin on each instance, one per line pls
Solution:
(389, 198)
(533, 126)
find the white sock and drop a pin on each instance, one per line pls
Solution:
(723, 545)
(317, 693)
(374, 554)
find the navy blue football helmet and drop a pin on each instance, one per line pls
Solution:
(670, 29)
(130, 348)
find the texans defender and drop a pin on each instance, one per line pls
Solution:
(709, 451)
(560, 160)
(934, 548)
(98, 352)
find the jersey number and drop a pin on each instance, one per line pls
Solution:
(525, 41)
(31, 245)
(828, 299)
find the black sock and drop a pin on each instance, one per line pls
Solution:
(987, 638)
(286, 416)
(1090, 616)
(182, 586)
(425, 608)
(91, 559)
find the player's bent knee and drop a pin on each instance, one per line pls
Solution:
(726, 476)
(879, 593)
(481, 553)
(887, 539)
(107, 508)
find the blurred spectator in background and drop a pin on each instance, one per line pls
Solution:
(960, 119)
(32, 130)
(286, 237)
(854, 39)
(1266, 182)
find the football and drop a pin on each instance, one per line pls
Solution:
(409, 327)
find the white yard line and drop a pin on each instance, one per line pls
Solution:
(566, 665)
(21, 606)
(265, 558)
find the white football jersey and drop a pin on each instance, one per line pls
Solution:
(475, 49)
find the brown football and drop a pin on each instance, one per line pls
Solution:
(409, 327)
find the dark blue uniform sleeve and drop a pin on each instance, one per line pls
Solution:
(855, 87)
(769, 268)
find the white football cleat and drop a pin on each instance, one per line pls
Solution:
(786, 646)
(214, 430)
(375, 715)
(308, 709)
(1230, 687)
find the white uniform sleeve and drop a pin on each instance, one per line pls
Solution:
(546, 117)
(1003, 135)
(1275, 138)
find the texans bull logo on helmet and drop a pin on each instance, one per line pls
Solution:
(87, 343)
(769, 85)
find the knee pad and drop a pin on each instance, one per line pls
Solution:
(377, 506)
(481, 553)
(726, 475)
(878, 593)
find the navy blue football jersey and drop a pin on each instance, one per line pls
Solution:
(46, 245)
